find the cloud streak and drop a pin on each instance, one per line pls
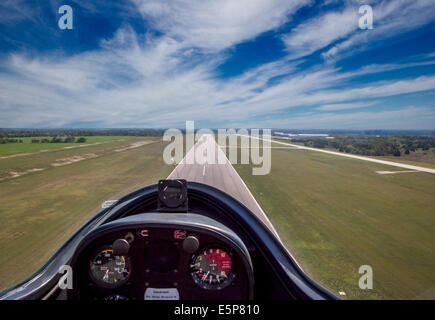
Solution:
(217, 25)
(148, 80)
(340, 28)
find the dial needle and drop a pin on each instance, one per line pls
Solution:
(205, 276)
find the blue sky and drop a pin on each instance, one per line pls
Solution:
(300, 64)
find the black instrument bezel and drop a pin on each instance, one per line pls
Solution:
(231, 275)
(193, 224)
(103, 283)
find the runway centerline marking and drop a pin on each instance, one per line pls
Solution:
(224, 177)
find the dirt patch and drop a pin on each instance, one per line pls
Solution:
(56, 149)
(69, 160)
(16, 174)
(15, 155)
(134, 145)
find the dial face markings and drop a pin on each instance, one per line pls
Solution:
(211, 269)
(109, 270)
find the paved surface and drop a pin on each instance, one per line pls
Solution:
(212, 167)
(394, 172)
(389, 163)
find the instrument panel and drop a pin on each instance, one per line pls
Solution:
(163, 262)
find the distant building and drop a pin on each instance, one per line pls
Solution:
(302, 135)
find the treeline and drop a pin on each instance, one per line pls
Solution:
(9, 140)
(372, 146)
(60, 140)
(45, 140)
(20, 133)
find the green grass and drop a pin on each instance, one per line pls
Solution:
(336, 214)
(39, 211)
(418, 158)
(422, 158)
(43, 160)
(28, 146)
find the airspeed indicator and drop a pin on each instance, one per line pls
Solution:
(212, 269)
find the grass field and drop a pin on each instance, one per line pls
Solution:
(40, 210)
(28, 146)
(422, 158)
(336, 214)
(419, 158)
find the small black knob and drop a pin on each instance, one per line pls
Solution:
(190, 244)
(120, 247)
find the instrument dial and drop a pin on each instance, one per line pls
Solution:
(211, 269)
(108, 269)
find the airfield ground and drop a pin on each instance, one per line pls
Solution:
(335, 214)
(40, 210)
(27, 146)
(423, 158)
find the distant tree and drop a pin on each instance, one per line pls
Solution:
(36, 141)
(407, 151)
(319, 143)
(12, 141)
(81, 140)
(69, 139)
(56, 140)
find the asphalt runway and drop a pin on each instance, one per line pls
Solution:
(212, 167)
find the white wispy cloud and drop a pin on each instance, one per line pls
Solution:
(390, 19)
(408, 118)
(143, 81)
(340, 28)
(16, 10)
(217, 25)
(320, 32)
(137, 80)
(345, 106)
